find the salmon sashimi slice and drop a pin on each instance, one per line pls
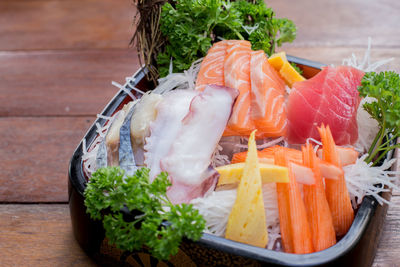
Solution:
(268, 109)
(212, 67)
(317, 207)
(237, 75)
(336, 190)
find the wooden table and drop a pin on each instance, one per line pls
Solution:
(57, 61)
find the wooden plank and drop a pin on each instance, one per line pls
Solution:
(34, 156)
(73, 24)
(41, 235)
(388, 253)
(68, 83)
(342, 22)
(38, 235)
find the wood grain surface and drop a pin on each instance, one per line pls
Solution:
(72, 24)
(57, 61)
(67, 83)
(34, 156)
(38, 235)
(342, 22)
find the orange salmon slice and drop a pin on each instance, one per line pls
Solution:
(212, 67)
(237, 75)
(268, 110)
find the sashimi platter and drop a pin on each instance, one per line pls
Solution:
(227, 152)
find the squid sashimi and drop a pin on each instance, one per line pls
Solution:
(189, 159)
(237, 75)
(212, 67)
(268, 109)
(165, 128)
(330, 97)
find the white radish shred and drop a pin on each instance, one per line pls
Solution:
(216, 208)
(90, 153)
(367, 127)
(185, 80)
(365, 65)
(364, 180)
(219, 159)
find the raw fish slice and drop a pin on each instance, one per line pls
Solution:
(212, 67)
(113, 135)
(145, 112)
(237, 75)
(126, 157)
(268, 109)
(189, 159)
(331, 97)
(164, 129)
(101, 156)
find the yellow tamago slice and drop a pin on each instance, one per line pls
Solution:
(277, 60)
(229, 175)
(290, 75)
(247, 223)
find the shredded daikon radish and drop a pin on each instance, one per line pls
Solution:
(216, 207)
(364, 180)
(219, 159)
(90, 153)
(365, 65)
(185, 80)
(367, 127)
(122, 87)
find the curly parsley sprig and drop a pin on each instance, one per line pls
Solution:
(385, 88)
(109, 192)
(190, 27)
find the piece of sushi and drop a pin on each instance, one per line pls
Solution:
(331, 98)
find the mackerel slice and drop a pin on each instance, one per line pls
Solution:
(112, 136)
(126, 157)
(101, 156)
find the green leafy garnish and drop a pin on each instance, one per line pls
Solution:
(190, 27)
(385, 88)
(294, 65)
(155, 223)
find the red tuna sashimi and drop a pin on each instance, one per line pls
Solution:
(212, 67)
(329, 98)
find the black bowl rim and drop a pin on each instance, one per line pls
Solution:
(361, 220)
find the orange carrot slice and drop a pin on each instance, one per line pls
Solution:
(295, 229)
(336, 190)
(317, 207)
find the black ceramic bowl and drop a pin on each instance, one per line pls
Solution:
(356, 248)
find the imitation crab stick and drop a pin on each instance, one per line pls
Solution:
(336, 190)
(317, 207)
(267, 155)
(347, 155)
(295, 229)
